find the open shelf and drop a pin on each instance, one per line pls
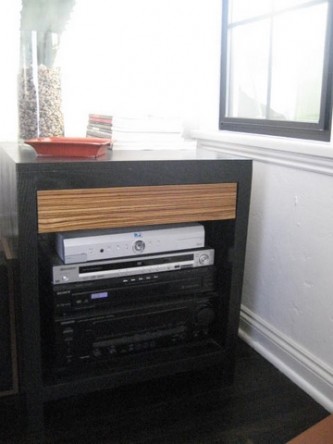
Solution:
(136, 368)
(123, 189)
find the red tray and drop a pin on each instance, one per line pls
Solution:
(69, 146)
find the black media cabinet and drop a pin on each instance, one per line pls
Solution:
(42, 196)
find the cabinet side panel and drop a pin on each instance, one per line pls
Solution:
(8, 363)
(77, 209)
(8, 199)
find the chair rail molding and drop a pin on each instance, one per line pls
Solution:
(303, 155)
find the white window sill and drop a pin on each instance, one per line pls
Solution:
(297, 153)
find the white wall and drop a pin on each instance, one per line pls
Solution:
(287, 304)
(124, 56)
(147, 57)
(9, 56)
(287, 298)
(289, 279)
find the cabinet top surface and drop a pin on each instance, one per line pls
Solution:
(25, 157)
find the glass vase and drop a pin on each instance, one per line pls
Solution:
(39, 86)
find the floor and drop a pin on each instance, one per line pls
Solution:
(262, 407)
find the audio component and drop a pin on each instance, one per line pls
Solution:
(79, 341)
(85, 246)
(132, 291)
(112, 268)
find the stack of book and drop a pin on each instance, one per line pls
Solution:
(99, 125)
(148, 133)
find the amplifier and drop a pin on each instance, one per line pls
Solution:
(80, 342)
(130, 291)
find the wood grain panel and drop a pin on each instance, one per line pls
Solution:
(78, 209)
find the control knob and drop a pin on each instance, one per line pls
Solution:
(204, 259)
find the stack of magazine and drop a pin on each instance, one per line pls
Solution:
(99, 125)
(148, 133)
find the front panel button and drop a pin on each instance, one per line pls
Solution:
(139, 246)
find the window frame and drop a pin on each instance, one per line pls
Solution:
(320, 131)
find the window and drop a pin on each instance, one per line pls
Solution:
(276, 67)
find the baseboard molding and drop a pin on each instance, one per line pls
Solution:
(300, 366)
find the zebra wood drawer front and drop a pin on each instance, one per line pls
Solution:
(78, 209)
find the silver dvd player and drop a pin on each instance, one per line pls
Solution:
(96, 245)
(131, 266)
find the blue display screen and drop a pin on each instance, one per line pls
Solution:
(101, 295)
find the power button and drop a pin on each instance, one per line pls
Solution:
(139, 246)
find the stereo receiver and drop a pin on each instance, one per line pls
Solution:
(80, 341)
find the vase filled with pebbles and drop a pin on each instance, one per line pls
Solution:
(39, 86)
